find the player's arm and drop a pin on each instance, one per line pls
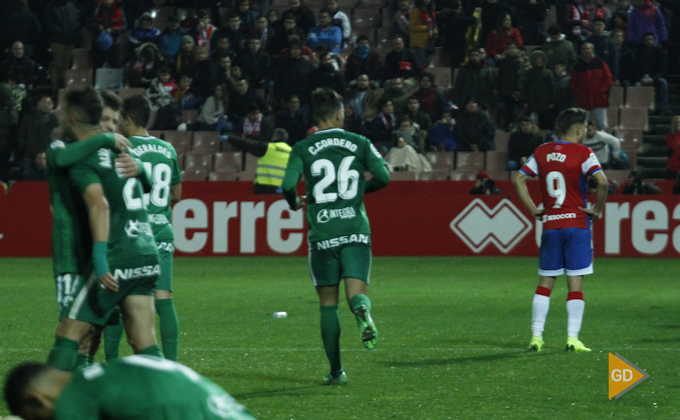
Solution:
(520, 183)
(290, 181)
(62, 155)
(600, 197)
(377, 167)
(98, 213)
(175, 192)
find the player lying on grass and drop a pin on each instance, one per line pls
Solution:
(333, 162)
(134, 387)
(566, 243)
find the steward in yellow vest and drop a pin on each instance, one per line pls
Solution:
(273, 159)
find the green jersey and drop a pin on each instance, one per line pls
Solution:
(160, 162)
(333, 163)
(144, 388)
(130, 234)
(71, 240)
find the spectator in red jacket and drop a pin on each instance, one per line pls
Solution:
(673, 141)
(497, 39)
(107, 23)
(590, 82)
(428, 95)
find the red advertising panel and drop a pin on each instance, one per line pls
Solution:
(407, 219)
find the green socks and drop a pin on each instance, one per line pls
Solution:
(357, 301)
(112, 337)
(82, 360)
(169, 326)
(154, 350)
(63, 355)
(330, 333)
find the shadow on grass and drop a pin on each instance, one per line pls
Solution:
(468, 359)
(658, 340)
(669, 327)
(462, 343)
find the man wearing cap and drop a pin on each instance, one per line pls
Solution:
(170, 41)
(474, 129)
(144, 32)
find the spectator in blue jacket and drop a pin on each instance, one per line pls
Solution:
(325, 33)
(171, 39)
(442, 137)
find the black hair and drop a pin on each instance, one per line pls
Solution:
(325, 103)
(85, 104)
(554, 30)
(17, 383)
(560, 62)
(428, 75)
(137, 107)
(362, 38)
(164, 69)
(599, 19)
(524, 118)
(648, 33)
(252, 107)
(325, 10)
(288, 15)
(569, 118)
(110, 99)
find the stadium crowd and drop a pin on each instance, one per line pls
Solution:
(417, 76)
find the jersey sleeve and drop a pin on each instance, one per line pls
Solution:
(374, 161)
(82, 175)
(530, 168)
(292, 175)
(61, 155)
(590, 165)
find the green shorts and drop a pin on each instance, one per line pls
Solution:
(65, 286)
(91, 303)
(328, 266)
(165, 251)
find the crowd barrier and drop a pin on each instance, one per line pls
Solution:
(437, 218)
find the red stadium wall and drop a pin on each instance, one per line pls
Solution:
(408, 218)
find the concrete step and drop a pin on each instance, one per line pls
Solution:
(653, 173)
(658, 119)
(653, 150)
(654, 139)
(652, 162)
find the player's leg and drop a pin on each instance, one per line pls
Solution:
(550, 265)
(356, 270)
(324, 268)
(69, 335)
(579, 260)
(64, 284)
(139, 320)
(113, 334)
(165, 304)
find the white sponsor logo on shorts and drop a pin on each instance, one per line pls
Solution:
(341, 240)
(325, 215)
(561, 216)
(137, 272)
(133, 228)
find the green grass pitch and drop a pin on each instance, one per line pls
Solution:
(453, 333)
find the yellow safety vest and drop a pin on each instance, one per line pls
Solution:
(272, 166)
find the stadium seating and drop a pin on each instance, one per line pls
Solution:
(180, 140)
(127, 92)
(496, 161)
(440, 175)
(161, 15)
(365, 18)
(616, 96)
(368, 31)
(612, 117)
(196, 160)
(222, 176)
(633, 118)
(640, 96)
(632, 159)
(403, 176)
(442, 76)
(384, 39)
(152, 119)
(371, 4)
(251, 163)
(470, 161)
(247, 176)
(461, 176)
(618, 177)
(194, 175)
(189, 116)
(86, 38)
(441, 160)
(228, 162)
(206, 142)
(82, 58)
(631, 139)
(78, 77)
(108, 78)
(440, 58)
(500, 140)
(156, 133)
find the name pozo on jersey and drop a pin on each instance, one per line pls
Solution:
(326, 215)
(343, 240)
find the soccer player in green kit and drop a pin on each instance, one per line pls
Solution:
(70, 244)
(131, 388)
(333, 162)
(160, 159)
(124, 255)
